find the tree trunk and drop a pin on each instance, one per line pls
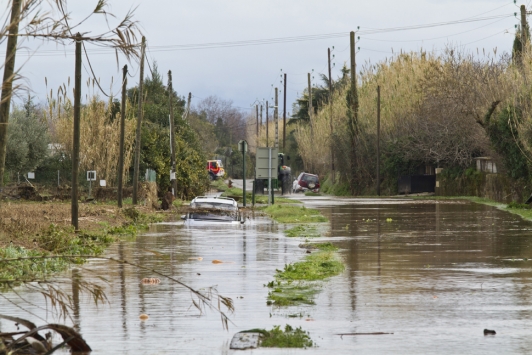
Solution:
(7, 84)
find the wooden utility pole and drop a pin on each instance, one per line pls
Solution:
(523, 30)
(139, 124)
(172, 138)
(188, 104)
(257, 114)
(7, 83)
(276, 118)
(354, 114)
(331, 114)
(309, 103)
(122, 133)
(284, 115)
(378, 140)
(267, 126)
(354, 92)
(76, 136)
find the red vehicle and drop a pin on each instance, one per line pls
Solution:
(306, 182)
(215, 169)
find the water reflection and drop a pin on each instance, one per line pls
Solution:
(435, 275)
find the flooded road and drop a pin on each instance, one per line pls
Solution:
(433, 273)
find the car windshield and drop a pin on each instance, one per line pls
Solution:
(213, 206)
(214, 215)
(310, 178)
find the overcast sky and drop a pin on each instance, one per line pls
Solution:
(246, 73)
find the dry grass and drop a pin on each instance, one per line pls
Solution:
(99, 142)
(432, 110)
(22, 222)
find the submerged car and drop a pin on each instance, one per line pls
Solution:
(306, 182)
(213, 209)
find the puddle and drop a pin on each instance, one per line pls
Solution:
(435, 277)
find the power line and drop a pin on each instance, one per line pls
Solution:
(291, 39)
(430, 39)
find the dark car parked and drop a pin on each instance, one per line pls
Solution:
(306, 182)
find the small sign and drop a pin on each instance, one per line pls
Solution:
(172, 175)
(103, 183)
(91, 175)
(31, 175)
(243, 146)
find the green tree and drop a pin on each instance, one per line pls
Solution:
(517, 47)
(27, 143)
(155, 150)
(503, 135)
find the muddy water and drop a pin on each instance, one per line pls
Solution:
(435, 276)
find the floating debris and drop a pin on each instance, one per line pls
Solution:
(144, 317)
(199, 258)
(151, 281)
(489, 332)
(216, 261)
(242, 341)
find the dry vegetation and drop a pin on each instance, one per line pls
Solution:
(22, 222)
(99, 141)
(433, 110)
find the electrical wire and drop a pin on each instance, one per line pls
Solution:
(315, 37)
(434, 38)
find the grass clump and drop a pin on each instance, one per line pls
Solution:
(320, 246)
(310, 193)
(302, 231)
(289, 293)
(294, 285)
(316, 266)
(287, 338)
(294, 214)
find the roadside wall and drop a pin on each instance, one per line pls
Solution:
(496, 187)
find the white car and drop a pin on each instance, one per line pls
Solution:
(213, 209)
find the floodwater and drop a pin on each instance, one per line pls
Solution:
(433, 273)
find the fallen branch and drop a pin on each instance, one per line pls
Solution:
(204, 299)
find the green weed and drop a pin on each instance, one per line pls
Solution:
(289, 338)
(294, 214)
(294, 285)
(302, 231)
(316, 266)
(287, 294)
(320, 246)
(310, 193)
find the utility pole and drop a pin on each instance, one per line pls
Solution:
(309, 104)
(188, 106)
(276, 118)
(172, 138)
(76, 136)
(354, 113)
(267, 124)
(378, 140)
(331, 114)
(122, 133)
(257, 114)
(523, 30)
(139, 123)
(284, 115)
(7, 83)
